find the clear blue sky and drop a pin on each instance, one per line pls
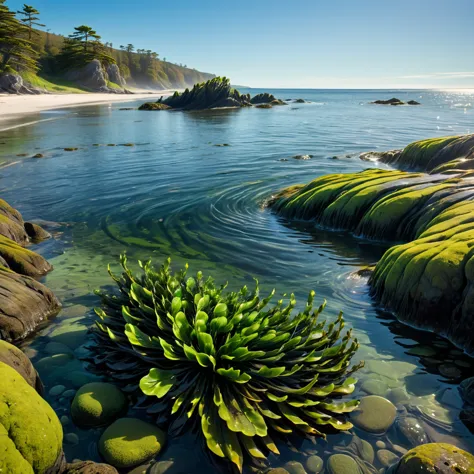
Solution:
(298, 43)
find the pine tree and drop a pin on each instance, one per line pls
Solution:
(85, 35)
(30, 18)
(16, 51)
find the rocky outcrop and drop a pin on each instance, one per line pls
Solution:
(214, 94)
(427, 282)
(24, 303)
(392, 101)
(115, 76)
(95, 78)
(14, 84)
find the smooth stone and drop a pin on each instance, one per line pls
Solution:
(314, 464)
(374, 387)
(47, 364)
(78, 378)
(342, 464)
(399, 449)
(64, 420)
(462, 363)
(56, 390)
(277, 470)
(294, 467)
(69, 393)
(367, 452)
(380, 444)
(71, 438)
(412, 430)
(386, 457)
(374, 415)
(424, 351)
(57, 348)
(71, 335)
(129, 442)
(98, 404)
(452, 397)
(449, 371)
(89, 467)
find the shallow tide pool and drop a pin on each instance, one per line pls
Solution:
(193, 187)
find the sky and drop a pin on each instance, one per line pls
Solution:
(290, 44)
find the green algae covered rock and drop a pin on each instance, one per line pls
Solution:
(342, 464)
(374, 415)
(22, 260)
(30, 432)
(435, 458)
(154, 106)
(98, 404)
(129, 442)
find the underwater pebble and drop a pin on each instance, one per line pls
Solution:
(452, 397)
(71, 438)
(48, 364)
(410, 428)
(294, 467)
(342, 464)
(57, 348)
(449, 371)
(64, 420)
(424, 351)
(57, 390)
(314, 464)
(375, 414)
(380, 444)
(278, 470)
(399, 449)
(158, 468)
(386, 457)
(462, 363)
(69, 393)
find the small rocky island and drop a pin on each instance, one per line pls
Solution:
(214, 94)
(395, 101)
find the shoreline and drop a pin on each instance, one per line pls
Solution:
(14, 107)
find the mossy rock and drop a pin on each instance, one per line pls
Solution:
(154, 106)
(98, 404)
(342, 464)
(16, 359)
(22, 260)
(30, 432)
(36, 232)
(435, 458)
(129, 442)
(12, 230)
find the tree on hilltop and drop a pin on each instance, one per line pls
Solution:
(16, 51)
(30, 18)
(85, 35)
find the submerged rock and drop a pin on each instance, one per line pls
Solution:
(98, 404)
(374, 415)
(30, 432)
(412, 430)
(154, 106)
(413, 102)
(314, 464)
(435, 458)
(393, 101)
(36, 233)
(24, 304)
(129, 442)
(342, 464)
(89, 467)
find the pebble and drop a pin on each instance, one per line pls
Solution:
(374, 387)
(412, 431)
(375, 414)
(380, 444)
(64, 420)
(424, 351)
(57, 390)
(342, 464)
(386, 457)
(57, 348)
(160, 467)
(314, 464)
(71, 438)
(69, 393)
(449, 371)
(399, 449)
(294, 467)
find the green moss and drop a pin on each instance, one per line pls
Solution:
(114, 86)
(52, 84)
(30, 432)
(97, 404)
(129, 442)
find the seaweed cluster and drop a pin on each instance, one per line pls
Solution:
(241, 370)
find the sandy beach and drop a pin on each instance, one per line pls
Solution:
(16, 106)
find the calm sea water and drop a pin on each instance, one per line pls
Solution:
(180, 192)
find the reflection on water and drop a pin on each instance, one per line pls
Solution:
(176, 193)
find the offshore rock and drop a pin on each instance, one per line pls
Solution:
(264, 98)
(24, 303)
(393, 101)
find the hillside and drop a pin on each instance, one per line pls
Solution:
(139, 70)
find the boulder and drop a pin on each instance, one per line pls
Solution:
(115, 76)
(24, 303)
(393, 101)
(14, 84)
(8, 211)
(375, 414)
(13, 231)
(16, 359)
(30, 432)
(154, 106)
(98, 404)
(129, 442)
(36, 233)
(92, 76)
(22, 260)
(89, 467)
(435, 458)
